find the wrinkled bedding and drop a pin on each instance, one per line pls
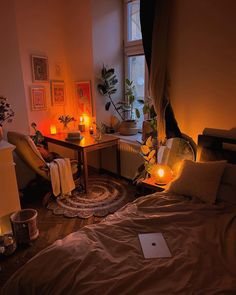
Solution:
(106, 258)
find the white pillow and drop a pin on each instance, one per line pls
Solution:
(198, 179)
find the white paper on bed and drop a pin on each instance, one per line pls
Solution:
(154, 245)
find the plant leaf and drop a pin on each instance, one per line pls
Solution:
(107, 105)
(137, 112)
(149, 141)
(102, 89)
(151, 154)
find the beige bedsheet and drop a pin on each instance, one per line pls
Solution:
(107, 259)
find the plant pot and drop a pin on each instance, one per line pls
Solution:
(128, 127)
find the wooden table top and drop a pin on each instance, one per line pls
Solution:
(87, 140)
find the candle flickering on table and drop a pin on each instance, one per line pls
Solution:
(91, 129)
(162, 174)
(53, 129)
(81, 124)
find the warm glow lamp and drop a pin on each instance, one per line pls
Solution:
(53, 129)
(161, 174)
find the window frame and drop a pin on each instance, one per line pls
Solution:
(133, 48)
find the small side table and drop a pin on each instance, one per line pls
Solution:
(148, 186)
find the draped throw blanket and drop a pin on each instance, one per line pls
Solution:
(61, 177)
(154, 18)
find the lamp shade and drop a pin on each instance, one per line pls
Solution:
(161, 174)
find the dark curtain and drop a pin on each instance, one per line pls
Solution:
(147, 16)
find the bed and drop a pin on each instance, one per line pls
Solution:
(106, 258)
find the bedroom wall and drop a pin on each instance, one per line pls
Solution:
(107, 33)
(11, 80)
(42, 31)
(203, 64)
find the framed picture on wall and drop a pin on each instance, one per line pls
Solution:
(39, 68)
(83, 95)
(38, 98)
(58, 93)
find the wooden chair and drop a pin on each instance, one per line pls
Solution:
(28, 152)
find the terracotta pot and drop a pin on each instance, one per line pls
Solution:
(128, 127)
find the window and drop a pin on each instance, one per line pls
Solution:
(135, 64)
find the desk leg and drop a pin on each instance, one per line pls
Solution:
(118, 159)
(85, 171)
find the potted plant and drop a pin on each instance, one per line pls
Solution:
(125, 108)
(65, 120)
(149, 127)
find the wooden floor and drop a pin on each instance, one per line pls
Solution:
(51, 228)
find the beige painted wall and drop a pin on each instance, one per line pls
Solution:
(41, 28)
(11, 81)
(203, 64)
(107, 28)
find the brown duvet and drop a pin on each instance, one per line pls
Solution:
(107, 258)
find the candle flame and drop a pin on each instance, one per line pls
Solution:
(161, 172)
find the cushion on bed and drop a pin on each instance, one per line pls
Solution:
(227, 189)
(198, 179)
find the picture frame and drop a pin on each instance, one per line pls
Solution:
(39, 68)
(84, 98)
(58, 93)
(38, 98)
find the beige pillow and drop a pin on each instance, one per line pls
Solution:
(227, 189)
(199, 179)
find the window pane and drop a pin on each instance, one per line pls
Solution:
(136, 73)
(134, 28)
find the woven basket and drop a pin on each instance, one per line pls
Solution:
(24, 225)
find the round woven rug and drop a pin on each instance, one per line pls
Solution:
(105, 196)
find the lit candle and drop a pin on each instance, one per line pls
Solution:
(91, 129)
(81, 124)
(53, 129)
(162, 174)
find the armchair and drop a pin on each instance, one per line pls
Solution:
(29, 153)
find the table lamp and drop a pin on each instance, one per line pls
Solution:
(161, 174)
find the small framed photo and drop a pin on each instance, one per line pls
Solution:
(38, 98)
(83, 95)
(39, 68)
(58, 93)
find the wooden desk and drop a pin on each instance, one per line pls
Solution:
(87, 144)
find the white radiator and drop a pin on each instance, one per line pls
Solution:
(130, 159)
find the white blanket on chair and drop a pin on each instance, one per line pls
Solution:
(61, 177)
